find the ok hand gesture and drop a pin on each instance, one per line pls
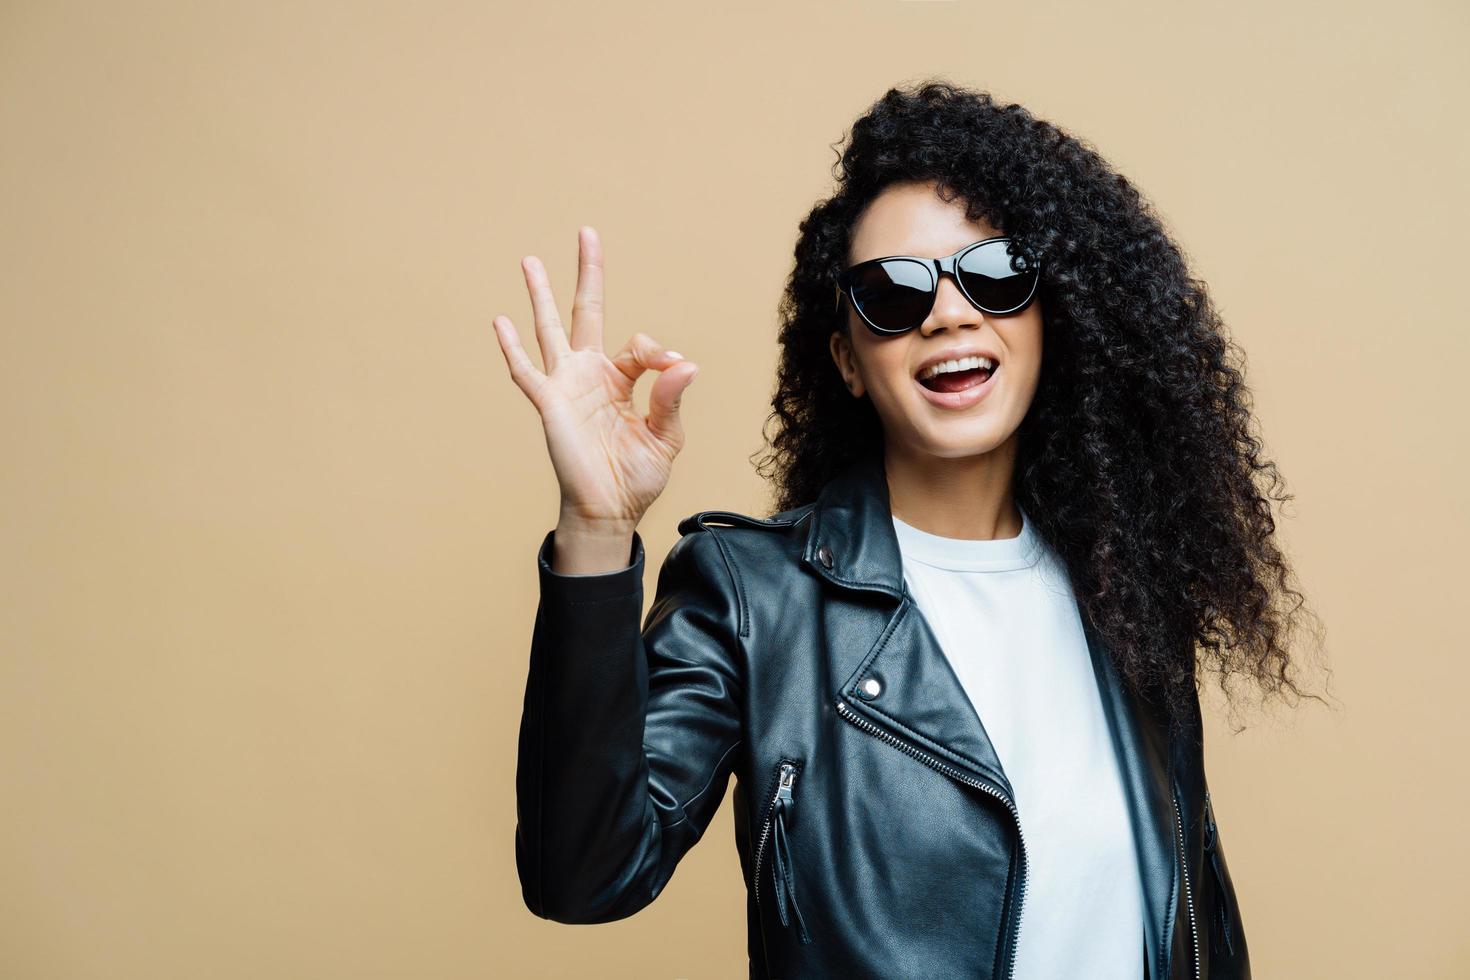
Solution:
(611, 461)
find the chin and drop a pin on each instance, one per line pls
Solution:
(959, 446)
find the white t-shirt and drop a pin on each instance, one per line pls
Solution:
(1005, 614)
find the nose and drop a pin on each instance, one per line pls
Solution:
(951, 309)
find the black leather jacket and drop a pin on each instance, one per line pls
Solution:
(875, 826)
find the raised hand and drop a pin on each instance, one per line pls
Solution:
(610, 460)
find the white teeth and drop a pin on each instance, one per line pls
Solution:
(963, 364)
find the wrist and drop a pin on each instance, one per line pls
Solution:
(595, 528)
(580, 548)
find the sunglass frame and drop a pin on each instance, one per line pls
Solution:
(937, 268)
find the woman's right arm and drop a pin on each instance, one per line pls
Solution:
(628, 734)
(628, 731)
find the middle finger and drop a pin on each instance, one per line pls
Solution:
(587, 304)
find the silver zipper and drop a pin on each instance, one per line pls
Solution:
(953, 773)
(1188, 895)
(783, 791)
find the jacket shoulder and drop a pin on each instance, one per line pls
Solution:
(747, 542)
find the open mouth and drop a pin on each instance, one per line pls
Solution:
(950, 381)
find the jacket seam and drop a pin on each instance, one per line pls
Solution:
(742, 626)
(732, 570)
(684, 807)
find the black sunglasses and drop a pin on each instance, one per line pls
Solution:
(894, 294)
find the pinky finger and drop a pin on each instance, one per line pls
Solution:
(522, 371)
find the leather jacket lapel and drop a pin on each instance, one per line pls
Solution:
(904, 682)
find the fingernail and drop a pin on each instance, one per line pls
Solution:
(674, 353)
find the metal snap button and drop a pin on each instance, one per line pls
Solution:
(825, 554)
(872, 687)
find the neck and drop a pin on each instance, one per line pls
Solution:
(967, 497)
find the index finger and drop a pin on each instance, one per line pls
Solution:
(549, 332)
(587, 303)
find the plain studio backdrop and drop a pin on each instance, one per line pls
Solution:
(271, 502)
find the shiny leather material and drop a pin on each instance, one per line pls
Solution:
(875, 826)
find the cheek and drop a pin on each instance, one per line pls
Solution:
(892, 375)
(882, 364)
(1028, 364)
(1024, 347)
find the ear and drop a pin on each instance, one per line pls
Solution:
(846, 360)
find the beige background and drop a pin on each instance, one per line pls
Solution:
(271, 502)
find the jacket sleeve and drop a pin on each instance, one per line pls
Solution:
(628, 734)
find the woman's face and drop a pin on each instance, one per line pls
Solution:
(984, 412)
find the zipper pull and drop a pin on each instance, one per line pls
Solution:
(788, 777)
(785, 878)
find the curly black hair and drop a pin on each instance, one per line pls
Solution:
(1138, 460)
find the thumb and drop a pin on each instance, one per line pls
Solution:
(663, 401)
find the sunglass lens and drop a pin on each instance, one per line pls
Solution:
(997, 280)
(894, 295)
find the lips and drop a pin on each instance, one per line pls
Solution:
(972, 387)
(957, 380)
(956, 353)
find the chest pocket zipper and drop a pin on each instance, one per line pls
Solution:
(1223, 912)
(783, 876)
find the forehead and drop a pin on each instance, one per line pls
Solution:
(911, 219)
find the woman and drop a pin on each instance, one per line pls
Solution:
(955, 674)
